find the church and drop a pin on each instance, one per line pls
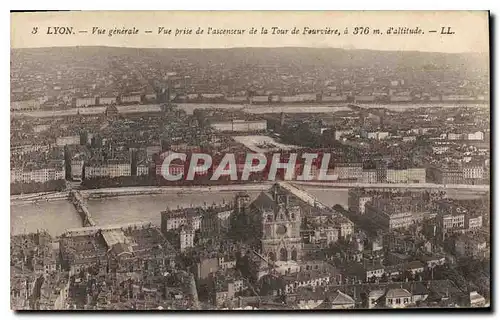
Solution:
(270, 224)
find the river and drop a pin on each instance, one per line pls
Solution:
(256, 109)
(148, 207)
(60, 215)
(127, 209)
(57, 216)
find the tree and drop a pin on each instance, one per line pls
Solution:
(384, 278)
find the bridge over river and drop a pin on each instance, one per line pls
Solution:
(81, 207)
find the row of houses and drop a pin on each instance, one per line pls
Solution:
(96, 101)
(458, 173)
(40, 174)
(348, 97)
(258, 99)
(406, 211)
(81, 169)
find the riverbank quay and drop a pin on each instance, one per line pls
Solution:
(135, 191)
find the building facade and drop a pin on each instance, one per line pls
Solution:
(281, 222)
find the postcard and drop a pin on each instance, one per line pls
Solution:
(250, 160)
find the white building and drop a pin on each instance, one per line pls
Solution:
(172, 220)
(131, 99)
(150, 96)
(397, 175)
(457, 97)
(455, 136)
(369, 176)
(186, 237)
(416, 175)
(107, 100)
(334, 98)
(240, 99)
(31, 104)
(192, 96)
(85, 102)
(473, 172)
(398, 298)
(40, 175)
(68, 140)
(212, 95)
(340, 133)
(240, 126)
(259, 99)
(304, 97)
(388, 215)
(452, 221)
(410, 175)
(409, 138)
(400, 98)
(112, 169)
(293, 282)
(377, 135)
(475, 136)
(439, 149)
(348, 171)
(142, 170)
(474, 222)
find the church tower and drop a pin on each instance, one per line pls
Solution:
(241, 202)
(242, 226)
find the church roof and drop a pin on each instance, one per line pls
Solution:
(264, 201)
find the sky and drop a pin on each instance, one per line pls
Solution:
(471, 30)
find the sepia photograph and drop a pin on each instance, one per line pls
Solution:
(250, 160)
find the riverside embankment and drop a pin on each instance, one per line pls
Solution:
(137, 191)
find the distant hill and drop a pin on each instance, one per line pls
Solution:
(289, 56)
